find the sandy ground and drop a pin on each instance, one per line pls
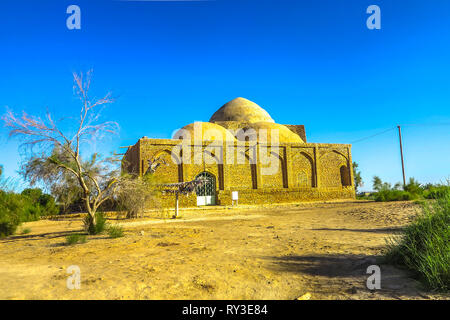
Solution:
(277, 252)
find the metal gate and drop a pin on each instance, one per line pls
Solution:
(206, 193)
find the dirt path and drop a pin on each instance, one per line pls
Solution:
(268, 253)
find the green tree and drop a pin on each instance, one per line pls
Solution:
(357, 176)
(48, 204)
(43, 204)
(33, 194)
(379, 185)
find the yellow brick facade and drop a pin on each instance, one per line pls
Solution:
(305, 171)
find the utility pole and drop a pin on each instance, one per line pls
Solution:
(401, 154)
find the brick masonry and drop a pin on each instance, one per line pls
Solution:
(306, 171)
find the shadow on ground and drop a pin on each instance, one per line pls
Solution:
(325, 265)
(349, 273)
(372, 230)
(40, 236)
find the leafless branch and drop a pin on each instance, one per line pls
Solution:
(94, 177)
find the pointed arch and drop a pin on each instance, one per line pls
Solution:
(334, 169)
(277, 178)
(304, 170)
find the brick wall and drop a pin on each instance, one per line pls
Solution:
(307, 171)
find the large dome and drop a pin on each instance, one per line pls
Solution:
(204, 131)
(241, 110)
(265, 130)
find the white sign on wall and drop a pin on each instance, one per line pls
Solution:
(234, 196)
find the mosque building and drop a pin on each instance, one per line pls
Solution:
(243, 155)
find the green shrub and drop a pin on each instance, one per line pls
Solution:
(394, 195)
(42, 204)
(11, 213)
(100, 225)
(424, 247)
(115, 231)
(434, 192)
(48, 205)
(413, 190)
(7, 228)
(413, 187)
(25, 231)
(75, 238)
(32, 194)
(29, 205)
(420, 202)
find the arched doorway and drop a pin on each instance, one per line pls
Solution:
(345, 176)
(206, 193)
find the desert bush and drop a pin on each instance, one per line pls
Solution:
(25, 231)
(115, 231)
(96, 228)
(413, 187)
(48, 205)
(7, 228)
(394, 195)
(413, 190)
(9, 214)
(17, 208)
(42, 204)
(435, 191)
(134, 194)
(365, 196)
(29, 205)
(75, 238)
(424, 246)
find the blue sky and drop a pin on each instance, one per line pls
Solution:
(306, 62)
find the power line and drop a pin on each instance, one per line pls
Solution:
(374, 135)
(400, 140)
(407, 124)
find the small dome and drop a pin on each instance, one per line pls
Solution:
(204, 131)
(242, 110)
(284, 134)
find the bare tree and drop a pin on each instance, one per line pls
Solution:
(54, 155)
